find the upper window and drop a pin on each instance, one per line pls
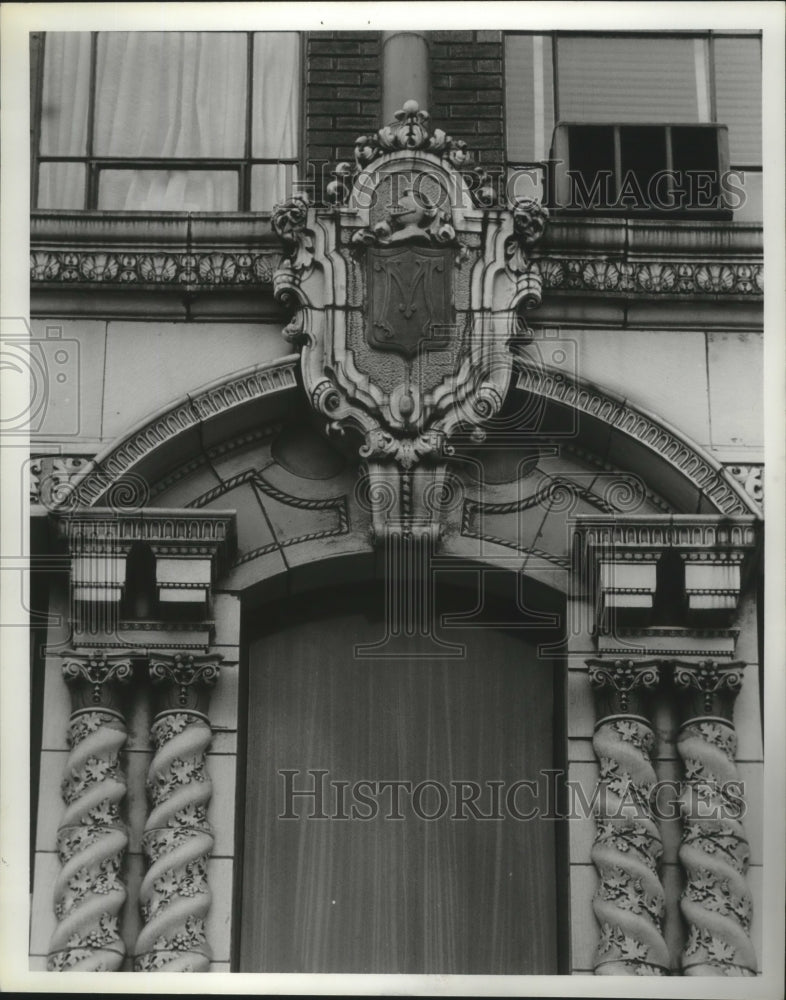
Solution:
(172, 121)
(631, 81)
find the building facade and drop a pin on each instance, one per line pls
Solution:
(397, 519)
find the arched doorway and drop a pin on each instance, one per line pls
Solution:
(408, 852)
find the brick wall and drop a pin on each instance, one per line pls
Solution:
(467, 91)
(343, 94)
(343, 91)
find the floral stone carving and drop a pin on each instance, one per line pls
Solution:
(714, 852)
(92, 838)
(629, 902)
(177, 841)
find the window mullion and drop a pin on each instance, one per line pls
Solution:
(617, 162)
(91, 184)
(245, 171)
(711, 59)
(37, 55)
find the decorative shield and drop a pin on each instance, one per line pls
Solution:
(409, 299)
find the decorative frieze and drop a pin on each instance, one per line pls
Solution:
(178, 839)
(143, 270)
(588, 274)
(654, 277)
(716, 902)
(629, 902)
(92, 837)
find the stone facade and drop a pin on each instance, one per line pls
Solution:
(589, 421)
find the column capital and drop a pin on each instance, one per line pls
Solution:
(96, 678)
(712, 686)
(623, 682)
(183, 681)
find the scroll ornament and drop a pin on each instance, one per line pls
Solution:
(629, 902)
(178, 839)
(92, 838)
(714, 852)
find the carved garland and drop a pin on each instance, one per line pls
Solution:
(714, 852)
(92, 837)
(629, 902)
(178, 838)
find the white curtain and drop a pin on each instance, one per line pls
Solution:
(275, 115)
(179, 95)
(64, 102)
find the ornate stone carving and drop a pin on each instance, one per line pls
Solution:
(623, 680)
(407, 266)
(410, 131)
(177, 841)
(751, 478)
(92, 838)
(52, 479)
(416, 219)
(656, 277)
(629, 902)
(716, 902)
(173, 269)
(290, 221)
(714, 685)
(661, 278)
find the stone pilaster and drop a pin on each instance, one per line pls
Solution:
(178, 840)
(714, 852)
(629, 902)
(92, 837)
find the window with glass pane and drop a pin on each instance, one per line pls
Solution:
(168, 121)
(636, 80)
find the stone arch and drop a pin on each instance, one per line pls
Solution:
(610, 433)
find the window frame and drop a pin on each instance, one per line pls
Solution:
(242, 166)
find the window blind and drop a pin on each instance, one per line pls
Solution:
(529, 96)
(738, 96)
(607, 79)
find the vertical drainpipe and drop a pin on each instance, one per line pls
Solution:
(405, 71)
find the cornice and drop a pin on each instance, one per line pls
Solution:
(693, 532)
(184, 531)
(131, 251)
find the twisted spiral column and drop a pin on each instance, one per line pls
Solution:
(629, 902)
(177, 841)
(92, 838)
(714, 852)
